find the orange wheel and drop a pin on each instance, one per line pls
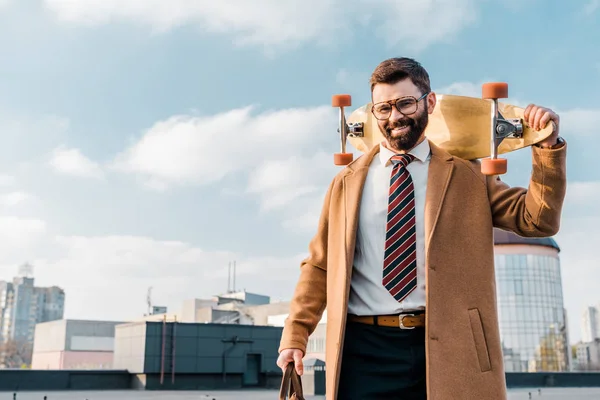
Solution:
(342, 158)
(495, 166)
(341, 100)
(494, 90)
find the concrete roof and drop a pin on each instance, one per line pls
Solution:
(505, 237)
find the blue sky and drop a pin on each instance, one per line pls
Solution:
(148, 143)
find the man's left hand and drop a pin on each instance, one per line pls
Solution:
(538, 117)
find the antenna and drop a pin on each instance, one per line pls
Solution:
(229, 278)
(149, 300)
(234, 275)
(26, 270)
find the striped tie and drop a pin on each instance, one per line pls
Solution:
(400, 259)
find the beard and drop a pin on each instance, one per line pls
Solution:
(407, 140)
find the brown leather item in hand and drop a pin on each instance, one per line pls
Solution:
(291, 383)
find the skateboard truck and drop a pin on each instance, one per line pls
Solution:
(500, 128)
(345, 129)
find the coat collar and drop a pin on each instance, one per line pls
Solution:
(441, 166)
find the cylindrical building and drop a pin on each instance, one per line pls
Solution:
(533, 326)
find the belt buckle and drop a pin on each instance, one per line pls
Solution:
(401, 324)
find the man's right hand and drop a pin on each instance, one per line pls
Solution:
(288, 355)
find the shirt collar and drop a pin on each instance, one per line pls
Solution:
(421, 152)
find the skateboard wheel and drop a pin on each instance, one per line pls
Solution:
(341, 100)
(343, 158)
(495, 166)
(494, 90)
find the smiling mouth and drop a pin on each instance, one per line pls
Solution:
(401, 129)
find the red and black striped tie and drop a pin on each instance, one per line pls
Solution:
(400, 258)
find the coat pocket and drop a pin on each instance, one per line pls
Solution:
(481, 347)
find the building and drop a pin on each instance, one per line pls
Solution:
(74, 345)
(240, 307)
(164, 355)
(588, 355)
(532, 318)
(590, 324)
(22, 306)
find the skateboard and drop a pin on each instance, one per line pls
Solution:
(466, 127)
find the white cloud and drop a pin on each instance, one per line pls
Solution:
(127, 265)
(32, 135)
(13, 198)
(19, 235)
(415, 25)
(583, 193)
(184, 150)
(304, 217)
(580, 122)
(471, 89)
(419, 24)
(268, 22)
(285, 155)
(71, 161)
(279, 182)
(461, 89)
(591, 6)
(106, 277)
(6, 180)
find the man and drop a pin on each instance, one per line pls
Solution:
(408, 229)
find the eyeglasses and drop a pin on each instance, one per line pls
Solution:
(406, 105)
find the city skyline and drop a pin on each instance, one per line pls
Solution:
(150, 146)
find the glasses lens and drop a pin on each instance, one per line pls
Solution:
(407, 105)
(382, 111)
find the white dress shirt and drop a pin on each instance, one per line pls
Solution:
(368, 296)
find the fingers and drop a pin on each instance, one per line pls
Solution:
(283, 360)
(545, 118)
(538, 117)
(527, 113)
(288, 355)
(298, 361)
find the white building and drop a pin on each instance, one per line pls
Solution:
(74, 344)
(22, 306)
(590, 324)
(588, 355)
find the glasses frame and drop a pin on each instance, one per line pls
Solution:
(394, 103)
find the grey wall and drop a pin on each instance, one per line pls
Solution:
(552, 379)
(28, 380)
(197, 348)
(130, 347)
(89, 329)
(50, 336)
(208, 348)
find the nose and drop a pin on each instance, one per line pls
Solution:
(395, 115)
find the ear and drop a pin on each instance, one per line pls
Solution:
(431, 102)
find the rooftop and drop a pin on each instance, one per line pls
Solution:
(506, 237)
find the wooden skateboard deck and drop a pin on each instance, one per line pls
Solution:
(459, 124)
(467, 127)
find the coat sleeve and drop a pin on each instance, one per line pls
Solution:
(310, 296)
(535, 211)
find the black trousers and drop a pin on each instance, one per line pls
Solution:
(381, 362)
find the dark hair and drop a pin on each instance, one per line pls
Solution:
(396, 69)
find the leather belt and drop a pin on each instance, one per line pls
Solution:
(402, 321)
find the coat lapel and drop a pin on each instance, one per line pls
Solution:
(440, 172)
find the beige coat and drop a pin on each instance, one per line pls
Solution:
(464, 357)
